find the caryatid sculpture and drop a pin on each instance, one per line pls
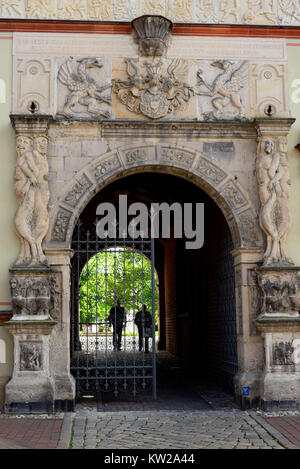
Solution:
(274, 190)
(31, 186)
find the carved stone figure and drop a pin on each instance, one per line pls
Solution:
(83, 88)
(224, 89)
(159, 93)
(32, 295)
(274, 189)
(31, 186)
(279, 293)
(206, 12)
(283, 353)
(72, 9)
(230, 9)
(100, 9)
(40, 9)
(260, 11)
(30, 357)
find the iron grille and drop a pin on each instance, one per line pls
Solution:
(113, 347)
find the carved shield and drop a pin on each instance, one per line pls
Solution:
(154, 105)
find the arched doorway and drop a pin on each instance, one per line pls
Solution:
(197, 314)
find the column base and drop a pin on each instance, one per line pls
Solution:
(64, 392)
(30, 394)
(268, 391)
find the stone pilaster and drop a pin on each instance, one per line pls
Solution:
(279, 320)
(32, 287)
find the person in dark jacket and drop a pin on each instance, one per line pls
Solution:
(143, 320)
(117, 319)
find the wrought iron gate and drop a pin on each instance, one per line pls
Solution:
(113, 347)
(227, 311)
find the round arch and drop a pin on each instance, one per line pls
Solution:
(222, 186)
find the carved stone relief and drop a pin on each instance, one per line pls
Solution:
(233, 195)
(106, 166)
(229, 11)
(280, 292)
(100, 9)
(31, 295)
(289, 11)
(283, 353)
(77, 191)
(72, 9)
(206, 11)
(153, 7)
(12, 8)
(249, 228)
(268, 88)
(31, 186)
(154, 88)
(222, 94)
(31, 356)
(41, 9)
(260, 12)
(125, 9)
(274, 189)
(84, 81)
(172, 155)
(34, 83)
(210, 172)
(61, 225)
(180, 11)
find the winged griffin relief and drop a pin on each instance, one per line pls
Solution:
(223, 90)
(154, 88)
(85, 94)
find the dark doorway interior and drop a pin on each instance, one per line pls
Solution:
(196, 287)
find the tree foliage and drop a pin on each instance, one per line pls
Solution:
(116, 274)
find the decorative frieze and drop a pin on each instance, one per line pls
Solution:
(273, 12)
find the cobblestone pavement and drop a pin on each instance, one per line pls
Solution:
(225, 429)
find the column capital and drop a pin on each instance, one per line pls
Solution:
(273, 127)
(31, 125)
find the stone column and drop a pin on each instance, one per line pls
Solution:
(279, 320)
(249, 341)
(64, 383)
(31, 388)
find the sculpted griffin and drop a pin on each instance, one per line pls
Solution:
(83, 88)
(156, 93)
(224, 88)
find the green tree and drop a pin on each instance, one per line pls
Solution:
(122, 274)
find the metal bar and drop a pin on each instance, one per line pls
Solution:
(154, 391)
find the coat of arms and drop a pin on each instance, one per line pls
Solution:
(157, 90)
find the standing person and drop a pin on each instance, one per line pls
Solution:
(143, 320)
(116, 319)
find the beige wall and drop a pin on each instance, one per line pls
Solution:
(8, 240)
(293, 241)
